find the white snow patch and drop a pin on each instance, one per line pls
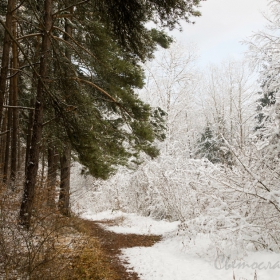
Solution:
(106, 215)
(171, 259)
(174, 258)
(133, 223)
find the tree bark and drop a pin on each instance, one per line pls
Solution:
(64, 195)
(52, 173)
(32, 166)
(14, 143)
(8, 138)
(3, 139)
(5, 55)
(29, 134)
(65, 161)
(42, 177)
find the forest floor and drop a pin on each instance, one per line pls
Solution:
(112, 243)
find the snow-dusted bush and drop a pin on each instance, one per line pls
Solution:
(169, 189)
(95, 195)
(240, 209)
(237, 206)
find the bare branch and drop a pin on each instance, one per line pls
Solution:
(69, 7)
(244, 166)
(29, 35)
(20, 4)
(5, 132)
(18, 107)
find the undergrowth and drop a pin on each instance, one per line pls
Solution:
(55, 247)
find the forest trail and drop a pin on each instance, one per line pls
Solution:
(112, 243)
(137, 247)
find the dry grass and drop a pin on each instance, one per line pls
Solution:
(85, 260)
(112, 243)
(90, 263)
(55, 247)
(60, 248)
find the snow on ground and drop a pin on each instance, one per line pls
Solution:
(169, 260)
(175, 259)
(132, 223)
(106, 215)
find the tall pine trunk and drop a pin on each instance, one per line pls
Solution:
(8, 138)
(14, 143)
(52, 172)
(5, 65)
(29, 134)
(3, 142)
(64, 195)
(32, 166)
(6, 55)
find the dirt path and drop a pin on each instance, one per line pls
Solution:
(112, 243)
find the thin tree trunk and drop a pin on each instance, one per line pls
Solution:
(4, 74)
(43, 166)
(14, 143)
(4, 141)
(64, 195)
(65, 161)
(52, 172)
(31, 112)
(240, 118)
(32, 167)
(8, 138)
(5, 55)
(230, 112)
(29, 134)
(20, 154)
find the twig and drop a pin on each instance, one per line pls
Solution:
(19, 107)
(69, 7)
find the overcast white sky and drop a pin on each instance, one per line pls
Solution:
(222, 26)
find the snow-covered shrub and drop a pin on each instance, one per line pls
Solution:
(240, 207)
(167, 187)
(237, 206)
(96, 195)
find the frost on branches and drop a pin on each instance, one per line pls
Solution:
(265, 54)
(238, 204)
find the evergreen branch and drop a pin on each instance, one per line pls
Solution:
(21, 49)
(97, 87)
(71, 37)
(71, 45)
(103, 91)
(71, 6)
(19, 70)
(36, 15)
(26, 57)
(69, 109)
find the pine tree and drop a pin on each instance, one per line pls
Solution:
(212, 147)
(266, 100)
(32, 167)
(91, 100)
